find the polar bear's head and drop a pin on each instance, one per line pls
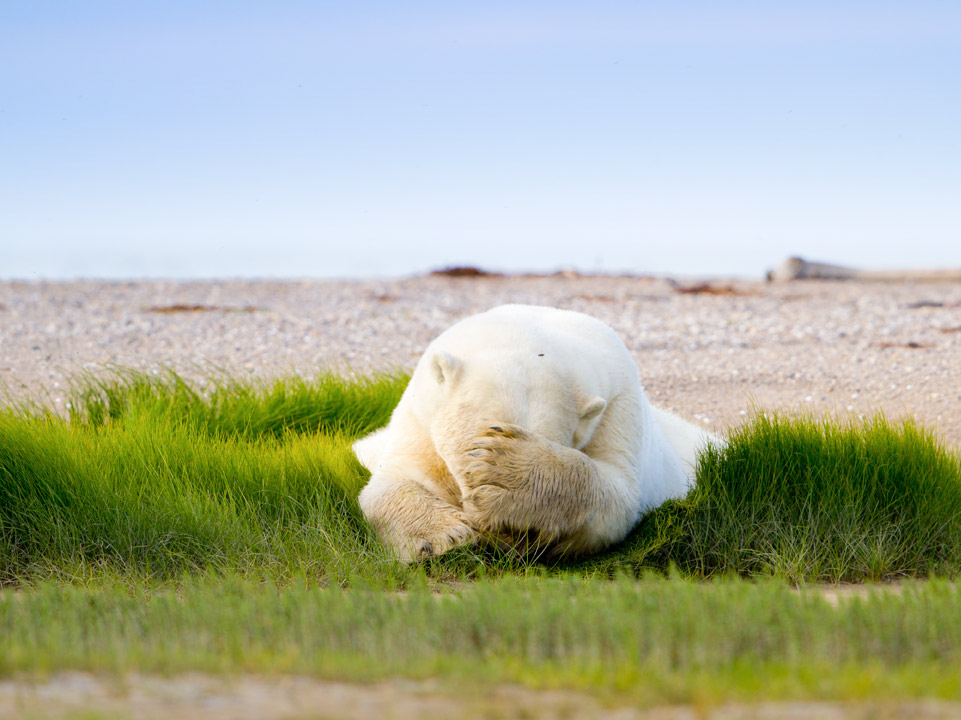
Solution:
(465, 394)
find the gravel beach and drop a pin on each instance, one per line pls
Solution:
(712, 352)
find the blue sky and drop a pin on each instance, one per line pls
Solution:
(215, 139)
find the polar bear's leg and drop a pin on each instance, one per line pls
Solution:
(686, 439)
(411, 518)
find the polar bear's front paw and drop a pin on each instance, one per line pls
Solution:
(501, 456)
(497, 477)
(484, 505)
(517, 481)
(436, 542)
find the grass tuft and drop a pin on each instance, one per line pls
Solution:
(228, 408)
(152, 477)
(811, 500)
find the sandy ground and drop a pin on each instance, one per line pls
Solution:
(195, 696)
(845, 348)
(712, 353)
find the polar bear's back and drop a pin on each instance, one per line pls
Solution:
(523, 328)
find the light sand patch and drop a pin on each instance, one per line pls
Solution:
(197, 696)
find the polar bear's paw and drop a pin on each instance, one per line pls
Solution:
(413, 520)
(519, 481)
(436, 540)
(500, 493)
(502, 456)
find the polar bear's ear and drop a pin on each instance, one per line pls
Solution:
(444, 366)
(590, 417)
(594, 407)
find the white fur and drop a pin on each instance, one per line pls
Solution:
(570, 390)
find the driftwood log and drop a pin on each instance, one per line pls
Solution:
(795, 268)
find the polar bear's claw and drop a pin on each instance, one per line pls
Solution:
(505, 430)
(438, 544)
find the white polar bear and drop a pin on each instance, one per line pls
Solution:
(523, 422)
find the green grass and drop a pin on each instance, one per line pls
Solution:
(652, 640)
(165, 527)
(812, 500)
(152, 478)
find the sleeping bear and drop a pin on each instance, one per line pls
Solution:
(524, 422)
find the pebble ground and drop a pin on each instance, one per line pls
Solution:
(712, 352)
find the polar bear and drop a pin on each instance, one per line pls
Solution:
(523, 421)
